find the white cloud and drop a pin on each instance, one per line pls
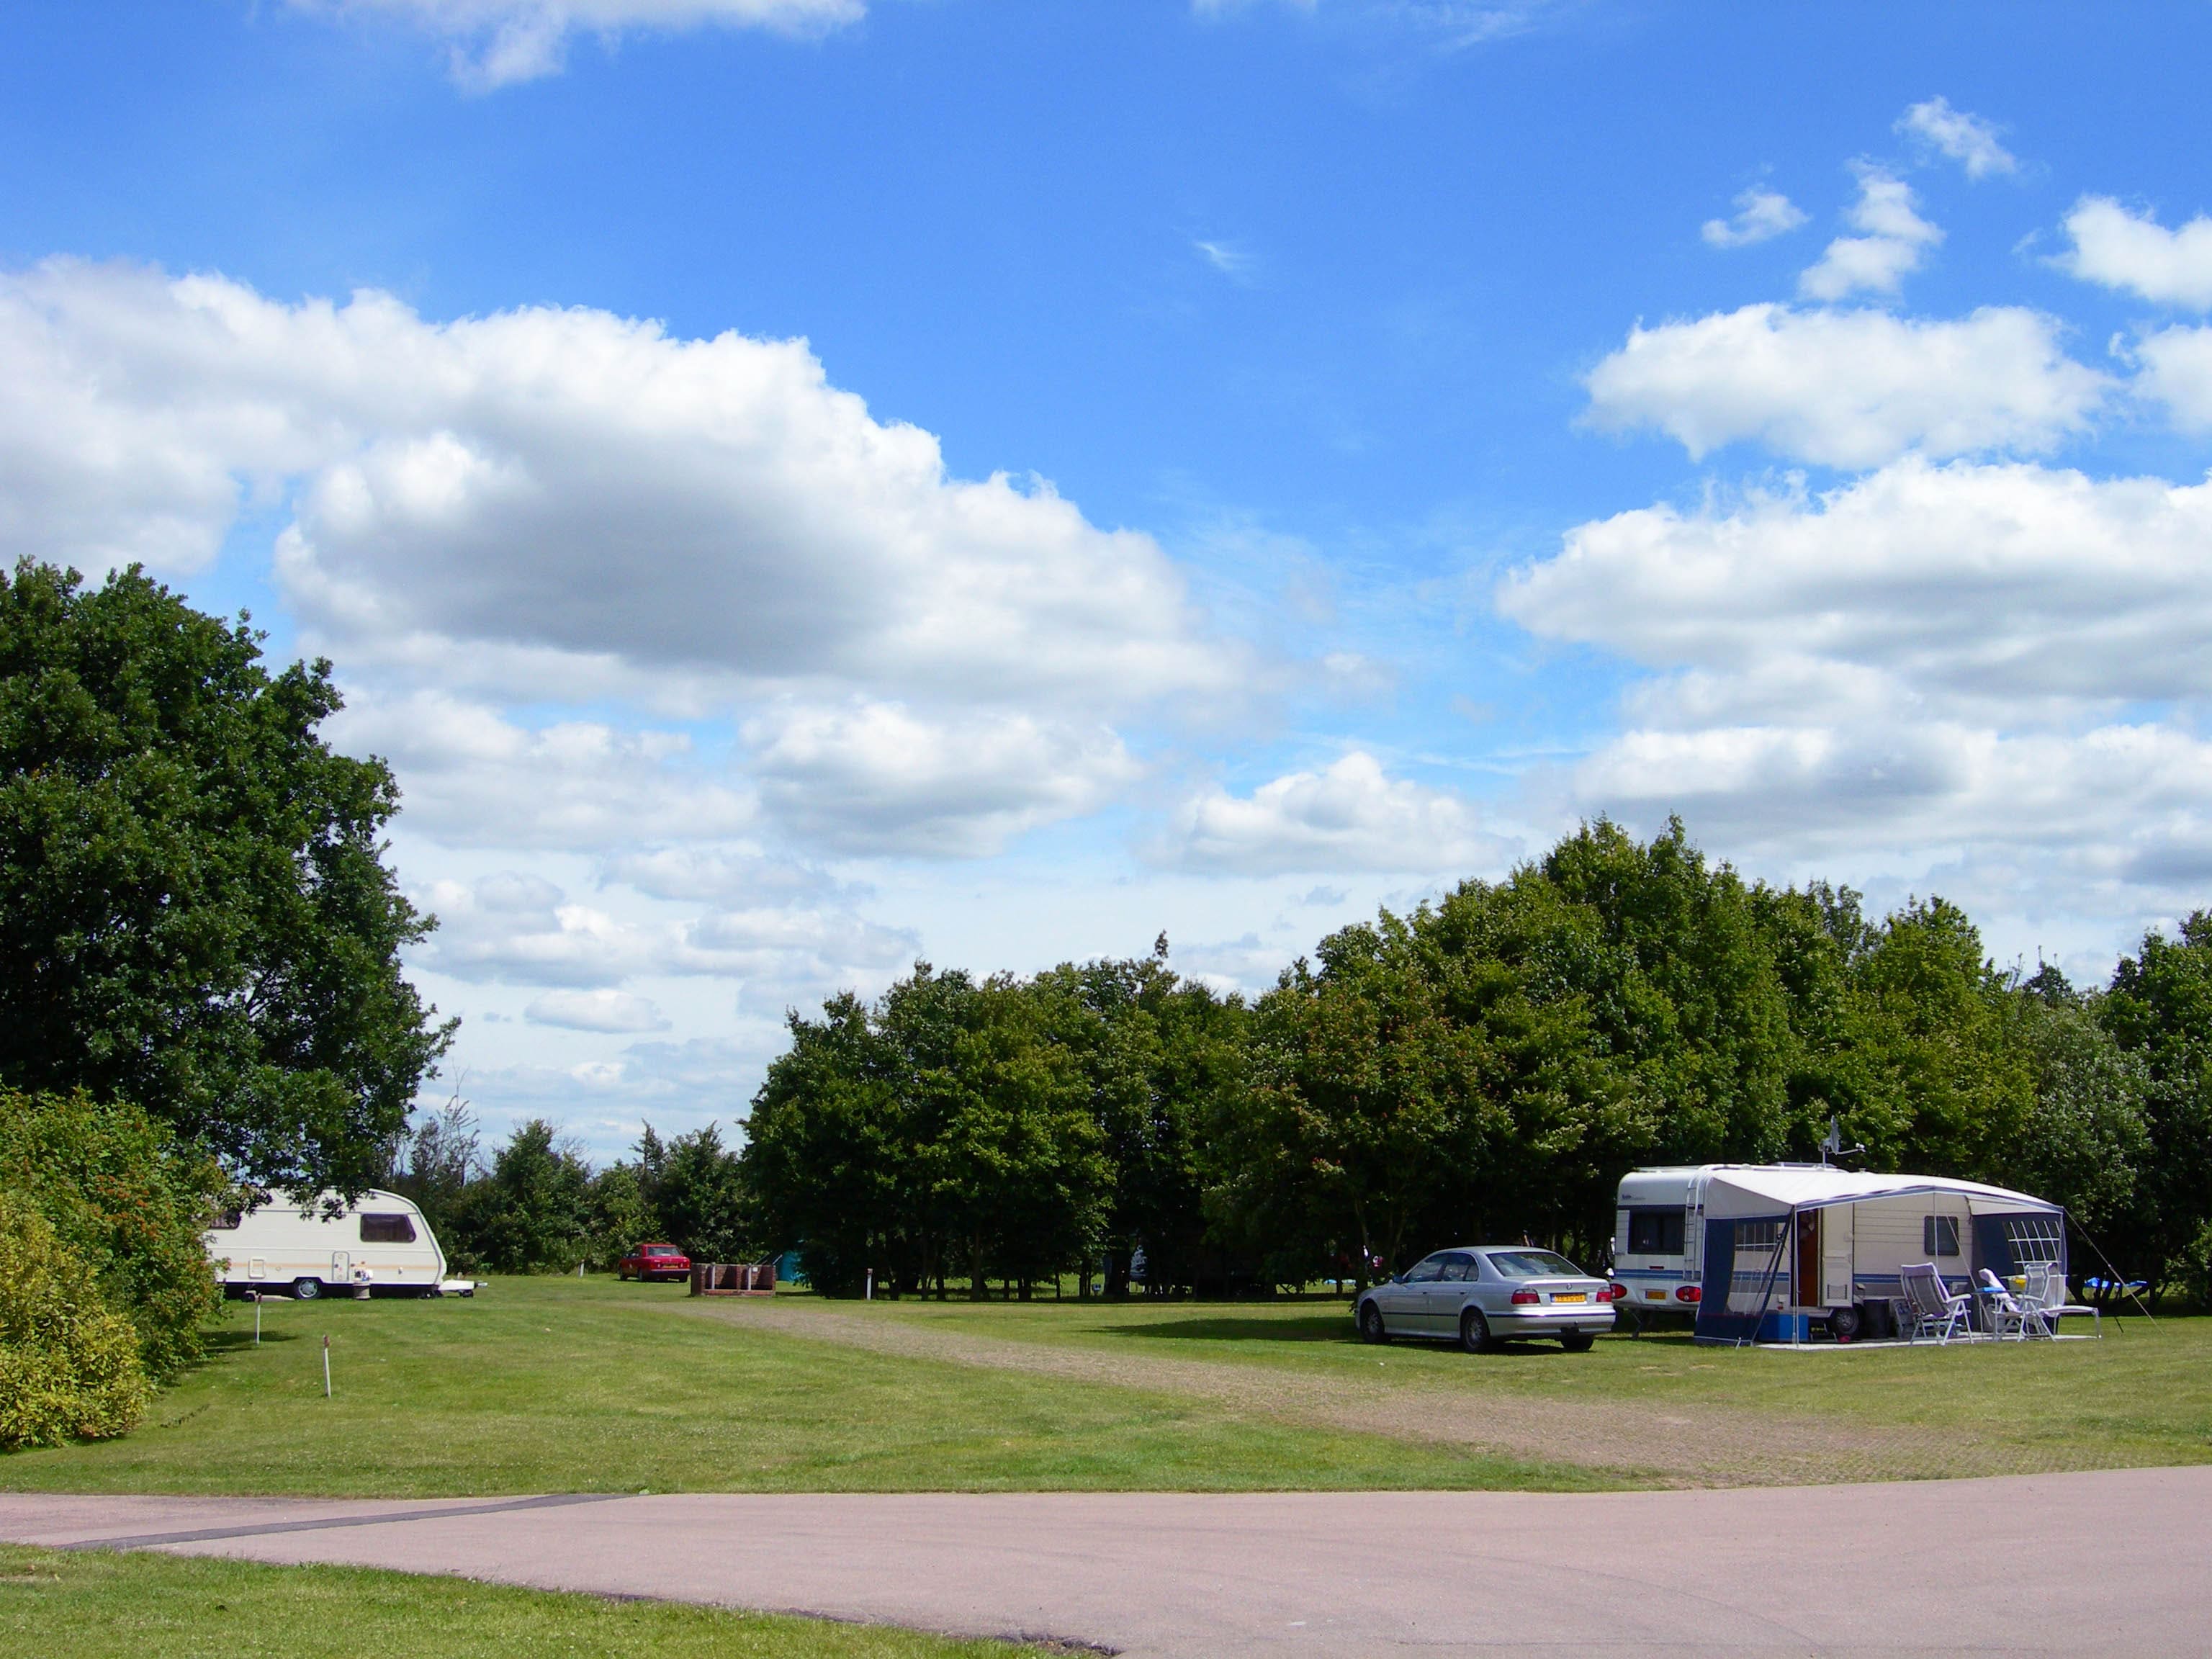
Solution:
(2177, 371)
(2009, 582)
(498, 42)
(517, 928)
(1967, 139)
(875, 777)
(1761, 215)
(1227, 258)
(471, 777)
(2137, 254)
(1930, 664)
(1895, 240)
(568, 482)
(1850, 388)
(1349, 816)
(608, 1010)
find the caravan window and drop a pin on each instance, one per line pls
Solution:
(387, 1230)
(228, 1220)
(1939, 1235)
(1655, 1232)
(2033, 1238)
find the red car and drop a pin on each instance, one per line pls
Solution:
(654, 1261)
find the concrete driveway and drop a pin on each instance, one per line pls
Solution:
(2114, 1562)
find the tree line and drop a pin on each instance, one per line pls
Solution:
(1486, 1067)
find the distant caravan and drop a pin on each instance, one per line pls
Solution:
(380, 1244)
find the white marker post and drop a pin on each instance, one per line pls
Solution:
(257, 1319)
(326, 1368)
(868, 1294)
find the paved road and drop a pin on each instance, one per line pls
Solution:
(2110, 1563)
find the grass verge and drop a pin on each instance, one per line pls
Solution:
(93, 1605)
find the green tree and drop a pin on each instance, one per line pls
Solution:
(195, 914)
(2159, 1009)
(701, 1200)
(432, 1164)
(532, 1212)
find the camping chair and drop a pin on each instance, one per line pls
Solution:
(2010, 1316)
(2046, 1289)
(1935, 1311)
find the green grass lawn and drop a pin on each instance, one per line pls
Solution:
(567, 1385)
(146, 1606)
(562, 1385)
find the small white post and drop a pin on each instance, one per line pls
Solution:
(257, 1319)
(326, 1368)
(868, 1294)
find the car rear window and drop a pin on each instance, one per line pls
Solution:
(1534, 1264)
(660, 1249)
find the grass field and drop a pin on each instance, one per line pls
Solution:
(144, 1606)
(562, 1385)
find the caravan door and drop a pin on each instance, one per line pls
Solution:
(1836, 1256)
(341, 1268)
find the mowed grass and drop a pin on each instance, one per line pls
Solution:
(100, 1605)
(2142, 1396)
(562, 1385)
(566, 1385)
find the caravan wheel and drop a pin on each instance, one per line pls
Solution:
(307, 1290)
(1842, 1323)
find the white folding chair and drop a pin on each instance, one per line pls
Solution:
(2046, 1288)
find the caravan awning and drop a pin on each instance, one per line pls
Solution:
(1752, 1190)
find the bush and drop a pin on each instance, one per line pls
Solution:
(68, 1365)
(129, 1201)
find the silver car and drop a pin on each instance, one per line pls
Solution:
(1481, 1294)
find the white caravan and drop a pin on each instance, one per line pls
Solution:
(1798, 1243)
(280, 1248)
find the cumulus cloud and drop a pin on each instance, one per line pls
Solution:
(519, 928)
(473, 777)
(1351, 815)
(1966, 139)
(1893, 240)
(618, 1012)
(1851, 388)
(1941, 662)
(2135, 253)
(495, 43)
(875, 777)
(1761, 215)
(566, 480)
(2177, 371)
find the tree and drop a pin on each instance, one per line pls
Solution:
(532, 1212)
(195, 914)
(433, 1165)
(2159, 1009)
(700, 1200)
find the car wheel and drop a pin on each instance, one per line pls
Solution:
(1370, 1324)
(307, 1290)
(1475, 1331)
(1576, 1341)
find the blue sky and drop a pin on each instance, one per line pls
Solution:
(1415, 428)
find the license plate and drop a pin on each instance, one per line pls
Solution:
(1655, 1295)
(1570, 1296)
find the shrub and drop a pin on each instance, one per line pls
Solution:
(68, 1365)
(130, 1202)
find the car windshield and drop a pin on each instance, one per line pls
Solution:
(1534, 1264)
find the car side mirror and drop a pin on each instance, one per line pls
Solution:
(1397, 1278)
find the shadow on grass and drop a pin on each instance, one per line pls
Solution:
(230, 1341)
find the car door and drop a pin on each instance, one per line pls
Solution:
(1443, 1297)
(1402, 1299)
